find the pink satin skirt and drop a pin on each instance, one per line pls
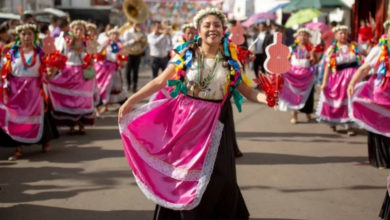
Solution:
(370, 107)
(298, 83)
(171, 145)
(105, 71)
(333, 104)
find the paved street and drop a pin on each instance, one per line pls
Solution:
(288, 172)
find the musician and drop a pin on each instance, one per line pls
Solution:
(160, 44)
(264, 38)
(134, 38)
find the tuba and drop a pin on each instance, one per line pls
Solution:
(136, 11)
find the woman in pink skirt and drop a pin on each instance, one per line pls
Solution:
(178, 148)
(108, 70)
(24, 119)
(72, 91)
(342, 61)
(370, 101)
(298, 89)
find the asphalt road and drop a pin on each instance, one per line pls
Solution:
(288, 172)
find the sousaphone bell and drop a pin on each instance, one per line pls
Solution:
(136, 11)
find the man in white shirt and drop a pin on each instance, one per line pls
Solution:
(134, 38)
(264, 38)
(103, 37)
(159, 44)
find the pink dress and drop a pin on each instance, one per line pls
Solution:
(73, 98)
(298, 82)
(333, 104)
(179, 151)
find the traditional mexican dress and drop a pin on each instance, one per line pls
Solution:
(22, 101)
(108, 75)
(298, 88)
(333, 104)
(370, 106)
(72, 96)
(180, 149)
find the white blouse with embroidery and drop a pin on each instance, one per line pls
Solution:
(19, 70)
(74, 58)
(343, 56)
(214, 89)
(110, 54)
(303, 62)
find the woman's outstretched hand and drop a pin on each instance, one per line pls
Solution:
(124, 109)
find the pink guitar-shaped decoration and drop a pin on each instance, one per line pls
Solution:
(52, 58)
(276, 63)
(237, 33)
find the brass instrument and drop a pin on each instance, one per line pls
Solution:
(137, 48)
(136, 11)
(126, 26)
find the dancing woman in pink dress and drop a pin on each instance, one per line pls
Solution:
(298, 89)
(23, 103)
(370, 101)
(342, 61)
(108, 71)
(178, 148)
(71, 92)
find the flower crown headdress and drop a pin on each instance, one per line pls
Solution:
(340, 28)
(115, 30)
(302, 29)
(185, 26)
(209, 11)
(22, 27)
(92, 25)
(77, 22)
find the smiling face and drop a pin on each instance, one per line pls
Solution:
(114, 36)
(342, 36)
(211, 29)
(189, 34)
(303, 37)
(78, 31)
(26, 37)
(92, 32)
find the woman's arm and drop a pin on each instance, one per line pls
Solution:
(357, 77)
(326, 76)
(150, 88)
(252, 94)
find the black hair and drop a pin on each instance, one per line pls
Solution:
(27, 16)
(3, 28)
(44, 28)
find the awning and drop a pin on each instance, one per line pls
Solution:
(273, 10)
(296, 5)
(10, 16)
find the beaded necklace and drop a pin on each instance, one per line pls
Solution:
(202, 80)
(383, 63)
(334, 52)
(32, 62)
(299, 52)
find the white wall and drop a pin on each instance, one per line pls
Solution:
(12, 5)
(266, 5)
(243, 9)
(75, 3)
